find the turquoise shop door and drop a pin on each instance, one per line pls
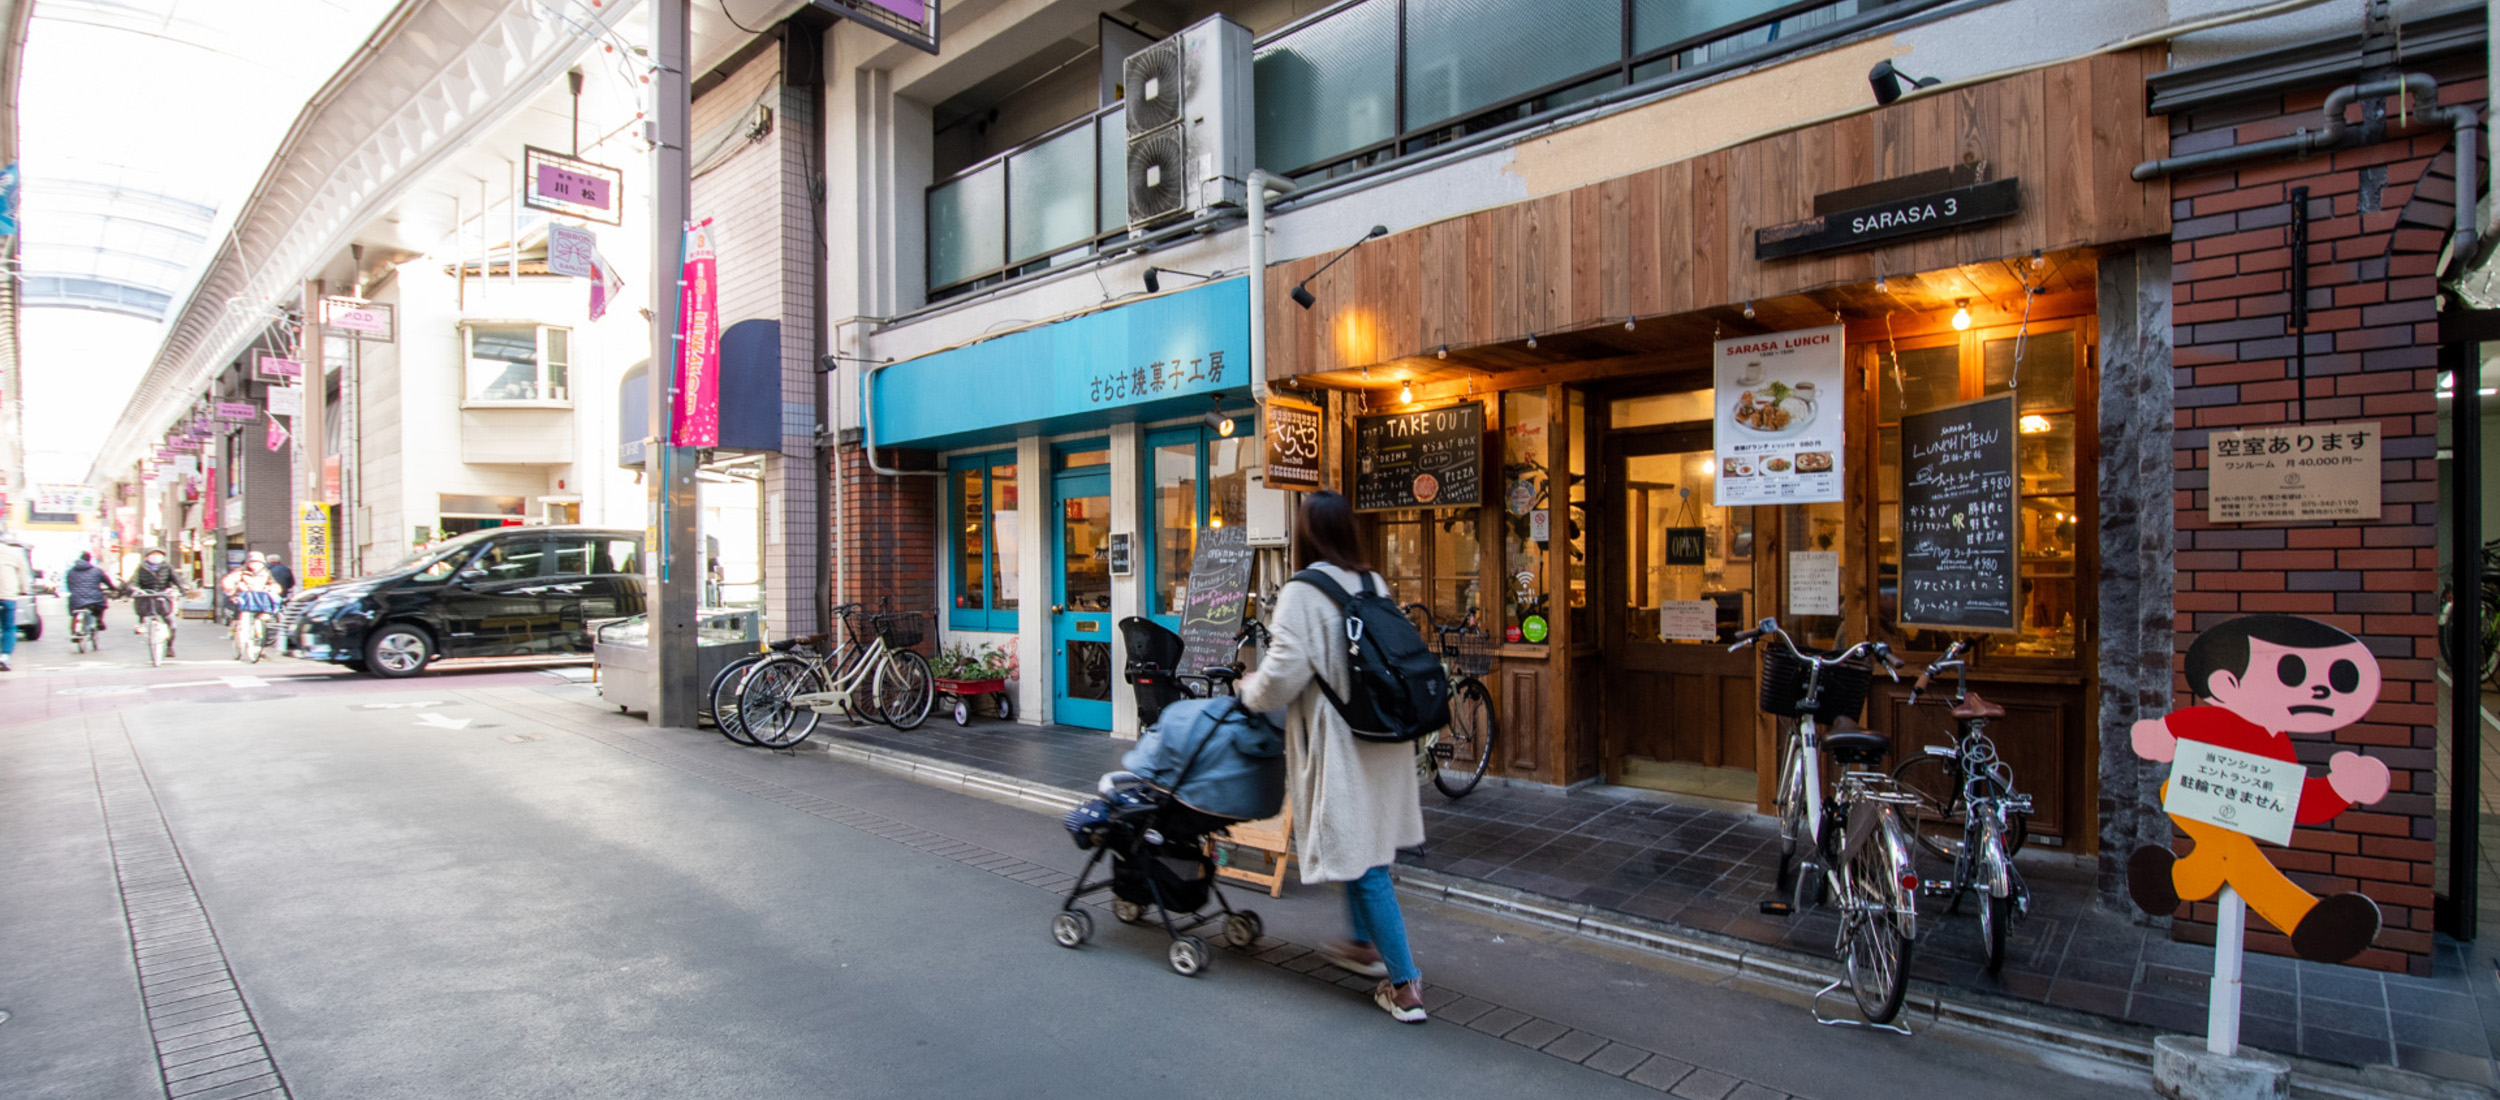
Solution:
(1080, 612)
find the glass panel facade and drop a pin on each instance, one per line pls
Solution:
(981, 509)
(1004, 540)
(1670, 494)
(1658, 23)
(1524, 489)
(1328, 88)
(972, 536)
(1228, 481)
(1659, 408)
(1463, 56)
(1086, 529)
(968, 226)
(1050, 195)
(1175, 473)
(1111, 169)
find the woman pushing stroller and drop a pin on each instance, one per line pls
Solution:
(1355, 801)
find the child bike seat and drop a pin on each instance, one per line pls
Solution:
(1972, 706)
(1851, 743)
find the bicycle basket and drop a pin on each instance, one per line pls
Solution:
(901, 629)
(1784, 678)
(1469, 653)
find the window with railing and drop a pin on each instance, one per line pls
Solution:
(1357, 85)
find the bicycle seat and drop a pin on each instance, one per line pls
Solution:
(1972, 706)
(1851, 743)
(1223, 674)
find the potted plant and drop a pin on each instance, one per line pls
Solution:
(966, 672)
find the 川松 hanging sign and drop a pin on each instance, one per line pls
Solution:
(572, 186)
(1782, 405)
(360, 319)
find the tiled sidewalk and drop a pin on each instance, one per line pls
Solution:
(1707, 869)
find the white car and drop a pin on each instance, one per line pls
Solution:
(29, 613)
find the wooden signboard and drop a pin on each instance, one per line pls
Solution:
(1292, 445)
(1219, 584)
(1428, 459)
(1959, 526)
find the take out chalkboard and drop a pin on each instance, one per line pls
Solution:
(1959, 517)
(1219, 583)
(1428, 459)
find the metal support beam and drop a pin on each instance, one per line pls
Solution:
(673, 543)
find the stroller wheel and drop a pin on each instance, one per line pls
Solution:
(1129, 912)
(1188, 956)
(1072, 927)
(1242, 929)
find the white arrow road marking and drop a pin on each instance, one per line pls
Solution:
(436, 720)
(243, 681)
(402, 706)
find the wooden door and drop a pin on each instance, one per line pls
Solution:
(1679, 714)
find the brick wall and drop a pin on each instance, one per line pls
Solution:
(887, 534)
(2378, 218)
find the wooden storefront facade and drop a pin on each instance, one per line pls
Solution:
(1582, 322)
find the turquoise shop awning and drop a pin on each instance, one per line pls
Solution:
(1156, 359)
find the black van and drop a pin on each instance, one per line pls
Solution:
(501, 592)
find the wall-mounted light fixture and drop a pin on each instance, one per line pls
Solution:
(1406, 393)
(1961, 315)
(1887, 82)
(1154, 282)
(1302, 290)
(1444, 353)
(1220, 420)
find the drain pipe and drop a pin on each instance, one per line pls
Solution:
(868, 422)
(1261, 182)
(2414, 86)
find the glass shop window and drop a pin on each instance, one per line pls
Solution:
(1526, 488)
(981, 505)
(1959, 367)
(1198, 479)
(1431, 556)
(518, 363)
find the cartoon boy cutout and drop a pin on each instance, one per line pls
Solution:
(2267, 677)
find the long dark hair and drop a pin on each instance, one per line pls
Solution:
(1325, 533)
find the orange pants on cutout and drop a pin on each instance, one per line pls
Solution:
(2222, 856)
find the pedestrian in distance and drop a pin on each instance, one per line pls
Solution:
(89, 588)
(1354, 801)
(14, 584)
(283, 575)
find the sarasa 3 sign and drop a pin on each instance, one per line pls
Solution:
(1883, 222)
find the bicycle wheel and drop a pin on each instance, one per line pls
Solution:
(1996, 914)
(1470, 737)
(1936, 819)
(764, 705)
(1791, 803)
(905, 690)
(1879, 919)
(156, 643)
(724, 698)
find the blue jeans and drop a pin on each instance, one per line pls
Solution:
(1371, 906)
(8, 627)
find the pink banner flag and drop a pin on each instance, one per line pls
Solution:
(277, 434)
(695, 412)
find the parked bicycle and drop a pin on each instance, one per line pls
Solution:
(1460, 752)
(1848, 844)
(1968, 813)
(877, 676)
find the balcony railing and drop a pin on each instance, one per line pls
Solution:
(1361, 84)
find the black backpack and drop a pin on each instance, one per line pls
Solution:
(1398, 692)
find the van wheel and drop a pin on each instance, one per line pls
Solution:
(398, 651)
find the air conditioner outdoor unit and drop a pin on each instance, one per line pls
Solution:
(1189, 117)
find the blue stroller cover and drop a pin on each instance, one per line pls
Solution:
(1215, 757)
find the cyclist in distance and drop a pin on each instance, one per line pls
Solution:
(250, 590)
(89, 588)
(153, 585)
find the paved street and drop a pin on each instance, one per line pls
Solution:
(482, 884)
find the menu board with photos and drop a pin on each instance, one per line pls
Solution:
(1959, 517)
(1782, 404)
(1428, 459)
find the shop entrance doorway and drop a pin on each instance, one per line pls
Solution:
(1080, 598)
(1679, 710)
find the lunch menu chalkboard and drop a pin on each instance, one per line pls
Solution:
(1219, 583)
(1959, 517)
(1428, 459)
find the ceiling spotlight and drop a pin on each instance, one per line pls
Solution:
(2038, 261)
(1302, 296)
(1406, 393)
(1961, 315)
(1882, 287)
(1749, 309)
(1531, 339)
(1154, 281)
(1630, 324)
(1444, 353)
(1219, 420)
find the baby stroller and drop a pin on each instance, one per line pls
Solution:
(1206, 765)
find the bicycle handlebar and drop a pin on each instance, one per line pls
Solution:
(1951, 661)
(1877, 654)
